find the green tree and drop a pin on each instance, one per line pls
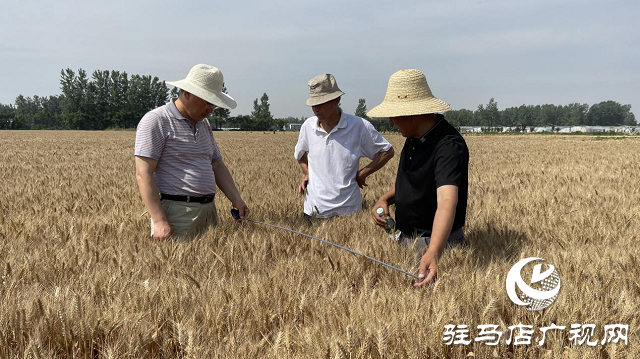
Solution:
(73, 95)
(39, 118)
(464, 117)
(539, 118)
(83, 115)
(535, 113)
(108, 99)
(524, 117)
(261, 110)
(7, 116)
(479, 117)
(25, 111)
(261, 116)
(382, 124)
(118, 100)
(552, 114)
(52, 108)
(160, 92)
(71, 102)
(219, 116)
(509, 116)
(34, 113)
(279, 123)
(607, 113)
(140, 98)
(361, 110)
(244, 122)
(175, 92)
(629, 117)
(99, 91)
(576, 114)
(492, 114)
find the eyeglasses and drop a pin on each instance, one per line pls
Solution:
(209, 106)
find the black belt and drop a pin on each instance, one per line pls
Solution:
(197, 199)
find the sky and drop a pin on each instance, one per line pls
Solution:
(518, 52)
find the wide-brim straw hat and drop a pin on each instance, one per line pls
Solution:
(206, 82)
(323, 88)
(408, 94)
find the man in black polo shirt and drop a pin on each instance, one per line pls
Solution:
(430, 192)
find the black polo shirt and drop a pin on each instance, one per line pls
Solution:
(440, 157)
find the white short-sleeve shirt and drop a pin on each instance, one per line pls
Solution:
(333, 163)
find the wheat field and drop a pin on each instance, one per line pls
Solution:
(81, 278)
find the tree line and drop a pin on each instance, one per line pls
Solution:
(113, 99)
(107, 99)
(606, 113)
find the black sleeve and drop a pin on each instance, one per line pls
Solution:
(449, 164)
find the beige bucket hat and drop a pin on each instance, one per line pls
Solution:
(408, 94)
(323, 88)
(206, 81)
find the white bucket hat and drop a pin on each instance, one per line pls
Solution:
(206, 81)
(408, 94)
(323, 88)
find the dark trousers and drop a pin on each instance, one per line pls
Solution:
(419, 243)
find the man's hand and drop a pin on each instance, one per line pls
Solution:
(428, 268)
(162, 231)
(442, 222)
(303, 185)
(361, 178)
(380, 221)
(242, 208)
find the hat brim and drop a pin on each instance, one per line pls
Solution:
(397, 109)
(220, 99)
(314, 101)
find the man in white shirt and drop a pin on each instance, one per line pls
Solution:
(329, 149)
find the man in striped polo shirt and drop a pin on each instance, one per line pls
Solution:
(178, 163)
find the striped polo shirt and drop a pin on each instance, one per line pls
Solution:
(184, 153)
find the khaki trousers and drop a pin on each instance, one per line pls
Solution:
(189, 218)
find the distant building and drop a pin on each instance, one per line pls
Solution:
(554, 129)
(470, 129)
(292, 126)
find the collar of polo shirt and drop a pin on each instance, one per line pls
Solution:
(174, 111)
(423, 138)
(342, 123)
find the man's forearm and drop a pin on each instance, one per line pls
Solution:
(378, 162)
(304, 164)
(149, 193)
(390, 197)
(442, 223)
(226, 184)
